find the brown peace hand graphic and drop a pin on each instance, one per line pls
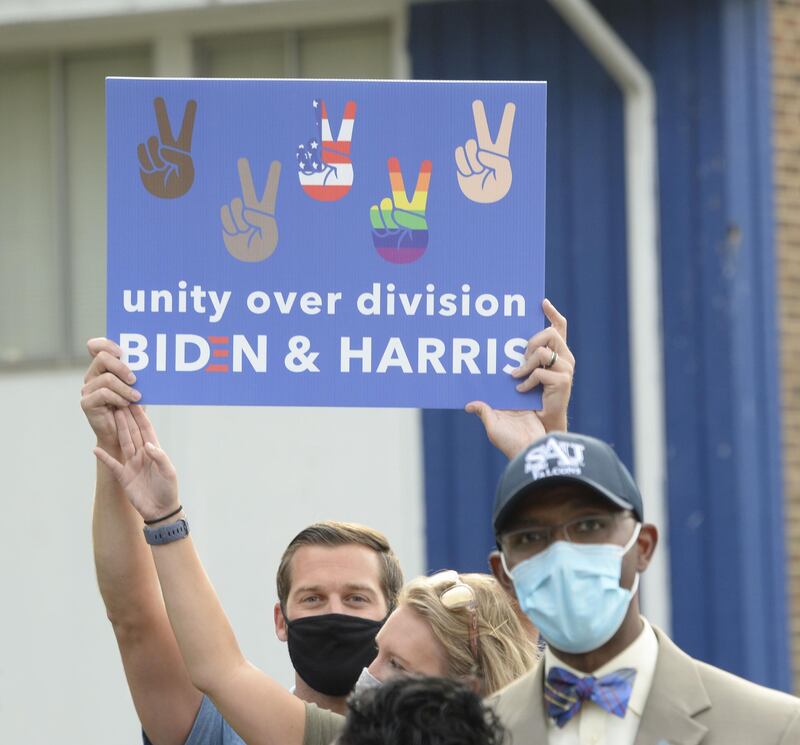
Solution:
(249, 229)
(166, 164)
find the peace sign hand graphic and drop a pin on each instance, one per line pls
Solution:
(399, 227)
(166, 169)
(484, 169)
(324, 165)
(249, 229)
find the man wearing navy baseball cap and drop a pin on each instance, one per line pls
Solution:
(570, 527)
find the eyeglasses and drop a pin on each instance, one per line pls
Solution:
(458, 596)
(521, 544)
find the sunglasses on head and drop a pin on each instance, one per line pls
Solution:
(457, 595)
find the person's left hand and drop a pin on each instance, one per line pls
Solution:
(147, 477)
(512, 431)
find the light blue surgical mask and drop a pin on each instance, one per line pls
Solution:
(571, 592)
(366, 681)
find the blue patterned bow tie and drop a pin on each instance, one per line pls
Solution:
(564, 693)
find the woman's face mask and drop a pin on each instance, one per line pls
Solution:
(366, 681)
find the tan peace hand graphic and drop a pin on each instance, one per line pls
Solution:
(167, 170)
(249, 229)
(484, 169)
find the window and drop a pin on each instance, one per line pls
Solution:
(30, 292)
(52, 168)
(329, 52)
(85, 124)
(345, 53)
(243, 56)
(52, 202)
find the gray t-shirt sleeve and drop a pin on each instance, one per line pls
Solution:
(209, 728)
(322, 726)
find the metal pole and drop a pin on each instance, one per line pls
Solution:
(644, 280)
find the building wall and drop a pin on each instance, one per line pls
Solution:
(786, 133)
(251, 478)
(709, 62)
(24, 11)
(60, 676)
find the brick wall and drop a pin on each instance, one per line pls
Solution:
(786, 129)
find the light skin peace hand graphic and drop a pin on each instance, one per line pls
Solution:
(484, 168)
(166, 166)
(250, 230)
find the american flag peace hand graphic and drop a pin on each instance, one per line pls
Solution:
(323, 164)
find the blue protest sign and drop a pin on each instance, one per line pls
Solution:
(319, 242)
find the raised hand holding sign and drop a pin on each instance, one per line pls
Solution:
(166, 166)
(484, 168)
(548, 363)
(399, 227)
(145, 472)
(249, 229)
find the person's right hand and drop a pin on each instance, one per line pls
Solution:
(107, 386)
(147, 477)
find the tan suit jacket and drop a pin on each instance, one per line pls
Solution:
(690, 703)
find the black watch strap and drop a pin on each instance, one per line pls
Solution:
(166, 533)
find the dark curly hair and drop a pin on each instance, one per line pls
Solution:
(420, 711)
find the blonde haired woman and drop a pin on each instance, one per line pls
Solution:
(474, 625)
(449, 625)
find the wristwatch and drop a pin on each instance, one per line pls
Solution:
(166, 533)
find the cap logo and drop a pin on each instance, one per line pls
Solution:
(554, 458)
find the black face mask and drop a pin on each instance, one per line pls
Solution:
(329, 652)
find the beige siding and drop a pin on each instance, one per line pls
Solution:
(786, 128)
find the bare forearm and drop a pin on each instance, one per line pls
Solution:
(165, 699)
(126, 575)
(205, 637)
(259, 709)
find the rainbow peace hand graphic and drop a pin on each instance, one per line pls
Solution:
(166, 167)
(484, 169)
(399, 227)
(249, 229)
(324, 165)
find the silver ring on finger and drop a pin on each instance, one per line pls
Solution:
(552, 360)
